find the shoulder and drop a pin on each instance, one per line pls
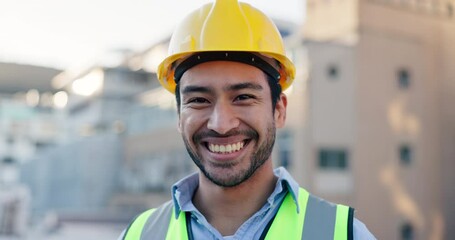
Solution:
(316, 205)
(361, 232)
(154, 216)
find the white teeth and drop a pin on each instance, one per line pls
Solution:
(229, 148)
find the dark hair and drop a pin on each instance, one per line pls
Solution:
(275, 91)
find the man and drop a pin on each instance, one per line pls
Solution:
(227, 68)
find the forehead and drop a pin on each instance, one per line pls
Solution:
(223, 73)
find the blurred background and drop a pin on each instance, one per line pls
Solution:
(88, 138)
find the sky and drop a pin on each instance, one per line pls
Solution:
(64, 34)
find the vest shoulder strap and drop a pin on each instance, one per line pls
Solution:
(316, 219)
(288, 224)
(153, 222)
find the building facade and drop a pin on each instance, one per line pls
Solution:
(381, 120)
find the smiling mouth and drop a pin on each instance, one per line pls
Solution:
(227, 148)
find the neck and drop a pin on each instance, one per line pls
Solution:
(226, 208)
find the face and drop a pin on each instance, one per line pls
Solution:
(227, 121)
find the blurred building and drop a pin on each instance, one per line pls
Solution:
(29, 122)
(89, 168)
(29, 119)
(380, 119)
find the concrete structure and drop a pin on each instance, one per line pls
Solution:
(380, 95)
(18, 77)
(28, 123)
(14, 204)
(90, 161)
(28, 119)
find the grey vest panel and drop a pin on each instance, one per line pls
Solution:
(319, 220)
(158, 223)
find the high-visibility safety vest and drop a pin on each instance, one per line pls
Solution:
(317, 219)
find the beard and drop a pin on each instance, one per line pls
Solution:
(259, 156)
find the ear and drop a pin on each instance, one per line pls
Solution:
(280, 111)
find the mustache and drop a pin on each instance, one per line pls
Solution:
(249, 133)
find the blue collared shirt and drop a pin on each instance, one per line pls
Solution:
(183, 191)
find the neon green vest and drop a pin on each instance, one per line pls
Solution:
(317, 219)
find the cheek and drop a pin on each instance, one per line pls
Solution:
(189, 123)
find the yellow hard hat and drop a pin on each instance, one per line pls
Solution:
(230, 30)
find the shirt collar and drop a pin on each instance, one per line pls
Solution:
(183, 190)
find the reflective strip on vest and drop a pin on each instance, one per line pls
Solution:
(320, 220)
(342, 223)
(135, 229)
(177, 228)
(288, 224)
(158, 224)
(317, 219)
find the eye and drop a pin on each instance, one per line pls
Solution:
(197, 100)
(244, 97)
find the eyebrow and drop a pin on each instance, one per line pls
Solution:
(234, 87)
(200, 89)
(241, 86)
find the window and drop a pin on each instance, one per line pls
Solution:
(41, 144)
(407, 231)
(336, 159)
(284, 149)
(405, 153)
(450, 9)
(284, 158)
(333, 71)
(284, 32)
(404, 79)
(8, 160)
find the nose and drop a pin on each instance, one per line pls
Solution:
(223, 118)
